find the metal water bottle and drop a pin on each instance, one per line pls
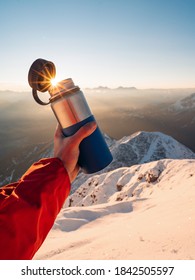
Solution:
(72, 112)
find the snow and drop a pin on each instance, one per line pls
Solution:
(146, 211)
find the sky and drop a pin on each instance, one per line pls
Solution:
(141, 43)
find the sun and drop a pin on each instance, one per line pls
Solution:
(54, 81)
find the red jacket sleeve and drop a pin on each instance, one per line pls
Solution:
(28, 208)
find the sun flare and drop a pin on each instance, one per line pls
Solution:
(54, 81)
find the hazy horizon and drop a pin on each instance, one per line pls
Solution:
(26, 88)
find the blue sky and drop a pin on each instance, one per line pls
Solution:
(141, 43)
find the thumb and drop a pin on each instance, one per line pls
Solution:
(83, 132)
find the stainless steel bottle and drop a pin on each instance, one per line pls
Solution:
(72, 112)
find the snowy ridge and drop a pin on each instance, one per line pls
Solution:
(139, 148)
(148, 146)
(125, 183)
(147, 206)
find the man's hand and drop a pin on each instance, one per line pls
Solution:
(67, 148)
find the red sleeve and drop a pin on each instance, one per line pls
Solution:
(28, 208)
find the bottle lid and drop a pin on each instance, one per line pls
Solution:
(40, 74)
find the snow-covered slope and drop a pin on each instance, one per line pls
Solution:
(146, 211)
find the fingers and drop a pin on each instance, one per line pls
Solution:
(83, 132)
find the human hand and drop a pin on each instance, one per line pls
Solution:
(67, 148)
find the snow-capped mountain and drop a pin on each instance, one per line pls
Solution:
(139, 148)
(144, 147)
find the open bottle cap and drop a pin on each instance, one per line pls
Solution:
(40, 75)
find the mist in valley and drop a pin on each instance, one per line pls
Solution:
(27, 129)
(122, 112)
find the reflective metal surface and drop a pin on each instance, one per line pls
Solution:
(71, 109)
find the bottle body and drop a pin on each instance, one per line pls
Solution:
(72, 112)
(94, 152)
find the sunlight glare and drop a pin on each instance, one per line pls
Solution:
(54, 81)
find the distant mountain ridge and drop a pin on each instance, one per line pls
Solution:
(104, 88)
